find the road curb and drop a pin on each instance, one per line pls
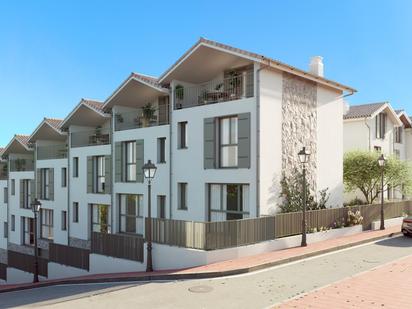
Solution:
(188, 276)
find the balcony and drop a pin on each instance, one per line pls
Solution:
(148, 116)
(90, 138)
(21, 165)
(239, 85)
(3, 171)
(52, 152)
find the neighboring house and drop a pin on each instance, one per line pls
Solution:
(3, 208)
(374, 127)
(403, 137)
(89, 171)
(50, 145)
(222, 125)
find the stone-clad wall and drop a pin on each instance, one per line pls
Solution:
(299, 124)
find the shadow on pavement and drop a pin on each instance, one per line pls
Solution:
(57, 294)
(399, 242)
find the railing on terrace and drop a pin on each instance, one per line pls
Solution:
(226, 234)
(135, 119)
(233, 88)
(52, 152)
(25, 262)
(70, 256)
(3, 171)
(90, 138)
(21, 165)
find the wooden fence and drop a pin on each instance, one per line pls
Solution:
(25, 262)
(3, 271)
(118, 245)
(70, 256)
(226, 234)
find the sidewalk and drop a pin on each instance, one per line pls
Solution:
(226, 268)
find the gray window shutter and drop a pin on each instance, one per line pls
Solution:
(89, 174)
(38, 183)
(51, 184)
(118, 162)
(243, 154)
(209, 143)
(108, 175)
(32, 191)
(139, 160)
(21, 193)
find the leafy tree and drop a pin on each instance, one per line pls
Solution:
(362, 171)
(292, 194)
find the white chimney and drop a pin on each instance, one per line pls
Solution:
(316, 66)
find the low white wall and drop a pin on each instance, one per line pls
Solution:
(168, 257)
(56, 271)
(375, 225)
(15, 276)
(101, 264)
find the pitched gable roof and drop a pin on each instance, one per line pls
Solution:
(363, 111)
(23, 139)
(45, 126)
(54, 123)
(270, 62)
(19, 142)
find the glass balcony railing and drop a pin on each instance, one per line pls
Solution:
(52, 152)
(21, 165)
(90, 138)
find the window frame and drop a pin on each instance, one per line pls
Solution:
(398, 135)
(139, 215)
(26, 193)
(99, 174)
(129, 172)
(28, 223)
(13, 223)
(231, 143)
(94, 223)
(161, 206)
(182, 200)
(161, 150)
(63, 220)
(44, 184)
(75, 167)
(13, 187)
(75, 215)
(63, 177)
(182, 135)
(47, 222)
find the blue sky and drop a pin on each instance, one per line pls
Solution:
(53, 53)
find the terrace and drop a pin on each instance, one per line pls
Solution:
(94, 137)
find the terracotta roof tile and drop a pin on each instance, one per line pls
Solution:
(96, 105)
(55, 123)
(1, 151)
(148, 79)
(23, 139)
(363, 111)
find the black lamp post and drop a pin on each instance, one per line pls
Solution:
(35, 206)
(149, 170)
(304, 158)
(382, 162)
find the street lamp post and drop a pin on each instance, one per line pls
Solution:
(304, 158)
(35, 206)
(382, 162)
(149, 170)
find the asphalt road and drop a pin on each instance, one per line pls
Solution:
(256, 290)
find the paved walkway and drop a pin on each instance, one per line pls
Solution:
(230, 267)
(387, 286)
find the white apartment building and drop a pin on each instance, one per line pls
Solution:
(222, 125)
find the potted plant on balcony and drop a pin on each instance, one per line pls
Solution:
(148, 114)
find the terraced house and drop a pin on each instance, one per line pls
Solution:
(222, 125)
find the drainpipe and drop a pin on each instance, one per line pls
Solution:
(171, 106)
(369, 133)
(112, 199)
(68, 185)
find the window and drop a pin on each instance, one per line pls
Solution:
(75, 167)
(398, 135)
(13, 223)
(161, 206)
(380, 125)
(13, 187)
(28, 231)
(75, 212)
(46, 219)
(182, 195)
(99, 169)
(130, 154)
(100, 218)
(44, 183)
(182, 134)
(228, 141)
(64, 177)
(131, 214)
(25, 193)
(377, 149)
(5, 230)
(228, 201)
(64, 220)
(161, 150)
(6, 195)
(397, 153)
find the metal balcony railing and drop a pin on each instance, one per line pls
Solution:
(236, 87)
(4, 171)
(52, 152)
(135, 119)
(21, 165)
(90, 138)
